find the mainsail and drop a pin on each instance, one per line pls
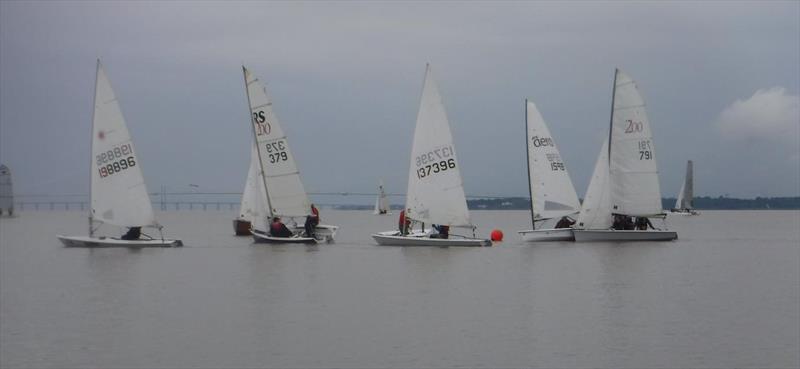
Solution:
(285, 194)
(686, 195)
(119, 195)
(552, 192)
(435, 192)
(634, 176)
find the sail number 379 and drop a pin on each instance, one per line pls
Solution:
(276, 151)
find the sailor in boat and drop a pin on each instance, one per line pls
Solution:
(134, 233)
(565, 222)
(623, 222)
(403, 224)
(443, 231)
(312, 221)
(278, 229)
(643, 223)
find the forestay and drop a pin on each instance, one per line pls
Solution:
(248, 209)
(285, 192)
(119, 195)
(551, 188)
(596, 209)
(634, 176)
(435, 191)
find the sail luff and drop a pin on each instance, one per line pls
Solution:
(528, 161)
(255, 142)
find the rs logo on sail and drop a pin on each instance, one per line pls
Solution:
(262, 126)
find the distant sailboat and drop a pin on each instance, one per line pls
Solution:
(282, 194)
(6, 192)
(625, 182)
(381, 201)
(435, 193)
(553, 196)
(248, 209)
(118, 193)
(685, 203)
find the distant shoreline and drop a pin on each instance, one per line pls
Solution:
(701, 203)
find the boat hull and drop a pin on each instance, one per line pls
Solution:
(684, 213)
(84, 241)
(395, 239)
(547, 234)
(241, 227)
(262, 237)
(599, 235)
(322, 231)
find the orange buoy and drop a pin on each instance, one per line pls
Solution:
(497, 235)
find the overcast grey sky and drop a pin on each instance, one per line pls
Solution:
(721, 80)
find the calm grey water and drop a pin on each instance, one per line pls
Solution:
(726, 294)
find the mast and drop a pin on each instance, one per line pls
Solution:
(91, 149)
(528, 160)
(611, 121)
(255, 138)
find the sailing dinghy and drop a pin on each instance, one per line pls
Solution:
(282, 194)
(381, 201)
(248, 209)
(625, 180)
(435, 193)
(552, 193)
(118, 193)
(685, 202)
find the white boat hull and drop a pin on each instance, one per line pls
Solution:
(263, 237)
(423, 239)
(322, 231)
(685, 213)
(598, 235)
(84, 241)
(547, 234)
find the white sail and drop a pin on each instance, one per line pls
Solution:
(679, 200)
(552, 192)
(6, 190)
(596, 208)
(381, 201)
(284, 189)
(686, 195)
(435, 192)
(119, 195)
(248, 208)
(634, 175)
